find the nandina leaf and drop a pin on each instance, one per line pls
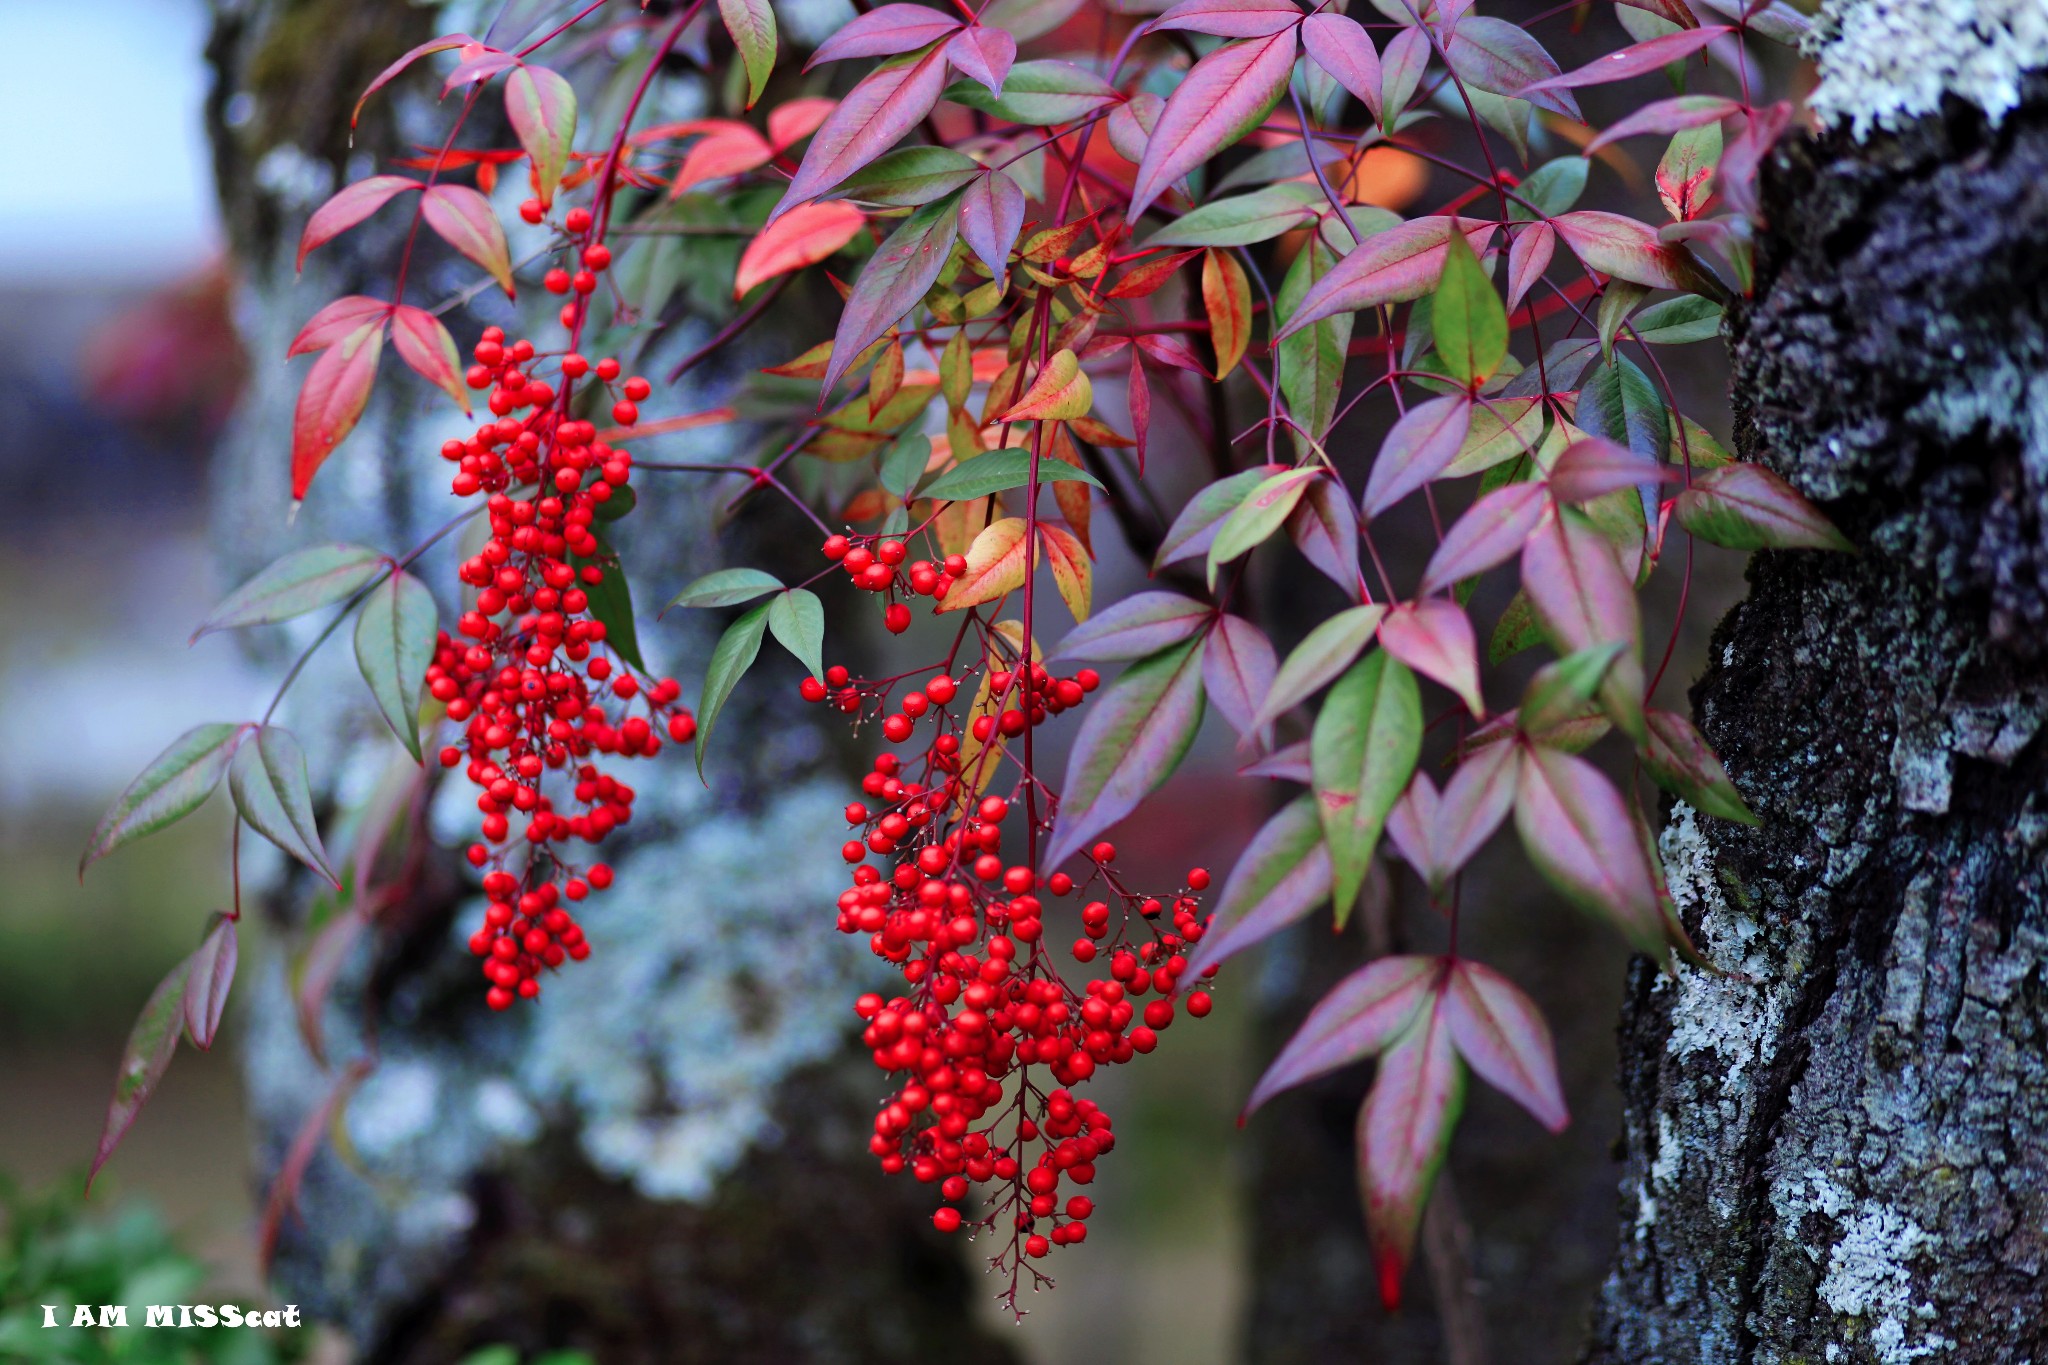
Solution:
(991, 215)
(1550, 189)
(1394, 266)
(1577, 830)
(1135, 733)
(1502, 429)
(338, 319)
(892, 282)
(792, 122)
(1227, 302)
(389, 73)
(1439, 834)
(424, 344)
(1470, 323)
(337, 390)
(1230, 18)
(1262, 512)
(983, 54)
(1747, 507)
(1072, 572)
(1324, 527)
(212, 975)
(1617, 401)
(1558, 694)
(176, 783)
(1504, 59)
(797, 620)
(1171, 350)
(998, 562)
(1501, 1034)
(1362, 751)
(1434, 637)
(1528, 257)
(1582, 598)
(727, 588)
(320, 1123)
(1635, 60)
(1237, 671)
(803, 236)
(1060, 391)
(302, 581)
(1038, 94)
(1240, 220)
(1224, 96)
(910, 176)
(542, 108)
(268, 782)
(1138, 394)
(997, 470)
(1131, 122)
(1361, 1015)
(727, 149)
(466, 221)
(752, 26)
(1286, 764)
(886, 104)
(395, 635)
(734, 654)
(1492, 531)
(1667, 117)
(1683, 763)
(349, 206)
(1595, 466)
(1674, 322)
(1401, 68)
(1146, 277)
(1629, 250)
(1419, 448)
(1028, 19)
(1325, 652)
(886, 31)
(1342, 47)
(1143, 623)
(1311, 365)
(478, 64)
(1404, 1133)
(144, 1059)
(611, 602)
(1198, 524)
(1282, 875)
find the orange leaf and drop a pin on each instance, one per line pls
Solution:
(466, 221)
(995, 566)
(804, 236)
(1227, 297)
(791, 123)
(733, 150)
(1072, 574)
(542, 108)
(337, 389)
(1059, 392)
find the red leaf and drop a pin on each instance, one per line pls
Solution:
(1667, 117)
(726, 151)
(1578, 832)
(1139, 395)
(144, 1060)
(1501, 1034)
(1629, 250)
(1282, 875)
(465, 220)
(886, 104)
(542, 108)
(1342, 47)
(389, 73)
(888, 31)
(1237, 670)
(1528, 258)
(1394, 266)
(350, 206)
(1230, 18)
(1360, 1016)
(991, 215)
(804, 236)
(1225, 95)
(791, 123)
(1595, 466)
(423, 343)
(1404, 1131)
(336, 391)
(1173, 350)
(1652, 55)
(1503, 59)
(1582, 598)
(1422, 443)
(206, 986)
(1491, 532)
(336, 321)
(1435, 638)
(983, 54)
(479, 63)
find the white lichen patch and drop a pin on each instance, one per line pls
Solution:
(1868, 1277)
(1884, 63)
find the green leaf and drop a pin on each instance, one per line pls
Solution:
(1135, 734)
(144, 1060)
(1617, 301)
(1324, 653)
(1680, 759)
(1037, 94)
(1241, 220)
(797, 620)
(1471, 322)
(1516, 630)
(1262, 513)
(727, 588)
(996, 470)
(1552, 187)
(176, 783)
(1198, 524)
(1561, 690)
(1677, 321)
(1362, 752)
(752, 26)
(268, 781)
(1312, 360)
(611, 602)
(395, 637)
(909, 177)
(903, 462)
(737, 649)
(302, 581)
(1619, 402)
(1747, 507)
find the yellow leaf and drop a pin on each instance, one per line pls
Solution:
(1227, 296)
(1072, 574)
(996, 566)
(1060, 391)
(957, 523)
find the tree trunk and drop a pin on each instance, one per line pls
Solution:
(663, 1159)
(1837, 1144)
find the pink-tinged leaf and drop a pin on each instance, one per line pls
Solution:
(1394, 266)
(1138, 394)
(893, 281)
(1401, 68)
(1325, 529)
(1474, 803)
(1528, 258)
(205, 996)
(351, 205)
(876, 113)
(1635, 60)
(888, 31)
(1683, 763)
(1577, 830)
(1594, 466)
(751, 25)
(791, 123)
(1132, 122)
(1323, 653)
(1582, 598)
(1675, 11)
(1667, 117)
(424, 344)
(542, 108)
(1169, 349)
(991, 215)
(1404, 1132)
(176, 783)
(804, 236)
(983, 54)
(1237, 671)
(1747, 507)
(1230, 18)
(1629, 250)
(1196, 528)
(1501, 1034)
(1224, 96)
(1359, 1018)
(144, 1059)
(1342, 47)
(1263, 511)
(335, 321)
(1503, 59)
(1282, 875)
(1422, 443)
(1560, 692)
(466, 221)
(726, 151)
(1029, 19)
(336, 392)
(1136, 732)
(1286, 764)
(391, 72)
(273, 796)
(1434, 637)
(1411, 826)
(479, 63)
(1736, 175)
(1491, 532)
(1362, 751)
(1143, 623)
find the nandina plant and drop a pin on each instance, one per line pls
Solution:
(1142, 210)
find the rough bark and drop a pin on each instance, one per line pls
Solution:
(662, 1160)
(1837, 1147)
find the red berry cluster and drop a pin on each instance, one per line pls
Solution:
(875, 564)
(529, 678)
